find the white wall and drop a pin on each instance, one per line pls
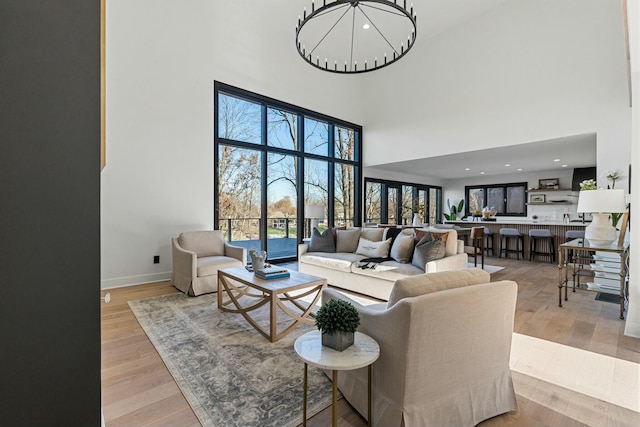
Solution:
(162, 60)
(527, 71)
(632, 327)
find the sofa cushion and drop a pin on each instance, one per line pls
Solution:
(336, 261)
(209, 265)
(203, 243)
(373, 249)
(388, 270)
(373, 234)
(347, 240)
(428, 249)
(426, 283)
(402, 249)
(322, 242)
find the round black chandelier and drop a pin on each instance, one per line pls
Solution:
(348, 37)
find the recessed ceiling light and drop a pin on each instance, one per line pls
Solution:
(564, 166)
(366, 26)
(556, 160)
(481, 173)
(519, 169)
(467, 169)
(507, 165)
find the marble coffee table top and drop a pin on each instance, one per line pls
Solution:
(364, 351)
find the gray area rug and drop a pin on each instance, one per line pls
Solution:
(229, 373)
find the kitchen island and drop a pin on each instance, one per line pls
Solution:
(557, 228)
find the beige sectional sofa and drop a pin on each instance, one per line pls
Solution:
(341, 269)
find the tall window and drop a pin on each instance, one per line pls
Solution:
(392, 202)
(272, 160)
(506, 199)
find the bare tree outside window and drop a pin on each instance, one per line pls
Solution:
(262, 187)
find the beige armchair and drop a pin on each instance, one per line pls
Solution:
(197, 257)
(445, 343)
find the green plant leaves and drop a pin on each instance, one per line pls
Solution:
(337, 316)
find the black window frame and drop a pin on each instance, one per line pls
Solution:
(264, 148)
(386, 184)
(504, 186)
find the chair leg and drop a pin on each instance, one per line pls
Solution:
(532, 247)
(500, 252)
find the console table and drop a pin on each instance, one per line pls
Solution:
(608, 263)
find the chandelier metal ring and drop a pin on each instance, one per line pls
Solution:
(321, 34)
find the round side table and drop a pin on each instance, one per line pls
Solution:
(364, 351)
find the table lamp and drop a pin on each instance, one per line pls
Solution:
(314, 212)
(601, 203)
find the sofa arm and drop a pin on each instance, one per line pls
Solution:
(448, 263)
(460, 247)
(236, 252)
(184, 261)
(303, 248)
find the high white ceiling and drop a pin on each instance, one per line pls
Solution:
(573, 151)
(435, 17)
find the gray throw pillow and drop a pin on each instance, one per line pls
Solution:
(322, 242)
(347, 240)
(402, 249)
(427, 249)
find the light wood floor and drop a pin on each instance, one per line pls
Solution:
(138, 390)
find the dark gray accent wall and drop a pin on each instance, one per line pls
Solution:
(50, 213)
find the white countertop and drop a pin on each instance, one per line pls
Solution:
(526, 221)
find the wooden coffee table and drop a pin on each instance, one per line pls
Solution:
(237, 283)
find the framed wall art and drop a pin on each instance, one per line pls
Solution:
(548, 183)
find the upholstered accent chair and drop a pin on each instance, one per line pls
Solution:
(197, 257)
(445, 344)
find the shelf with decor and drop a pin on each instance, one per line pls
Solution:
(550, 203)
(548, 190)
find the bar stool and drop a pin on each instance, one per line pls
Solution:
(488, 241)
(536, 234)
(476, 240)
(511, 233)
(572, 235)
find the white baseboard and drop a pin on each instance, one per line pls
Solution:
(631, 328)
(120, 282)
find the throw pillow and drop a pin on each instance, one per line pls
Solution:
(427, 249)
(402, 248)
(420, 233)
(322, 242)
(373, 234)
(392, 233)
(373, 249)
(347, 240)
(334, 229)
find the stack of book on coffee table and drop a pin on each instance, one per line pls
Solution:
(272, 272)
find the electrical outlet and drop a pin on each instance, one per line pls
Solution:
(156, 259)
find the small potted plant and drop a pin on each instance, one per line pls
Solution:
(338, 321)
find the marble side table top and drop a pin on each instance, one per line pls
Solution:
(364, 351)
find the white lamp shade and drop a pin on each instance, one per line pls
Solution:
(314, 211)
(603, 201)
